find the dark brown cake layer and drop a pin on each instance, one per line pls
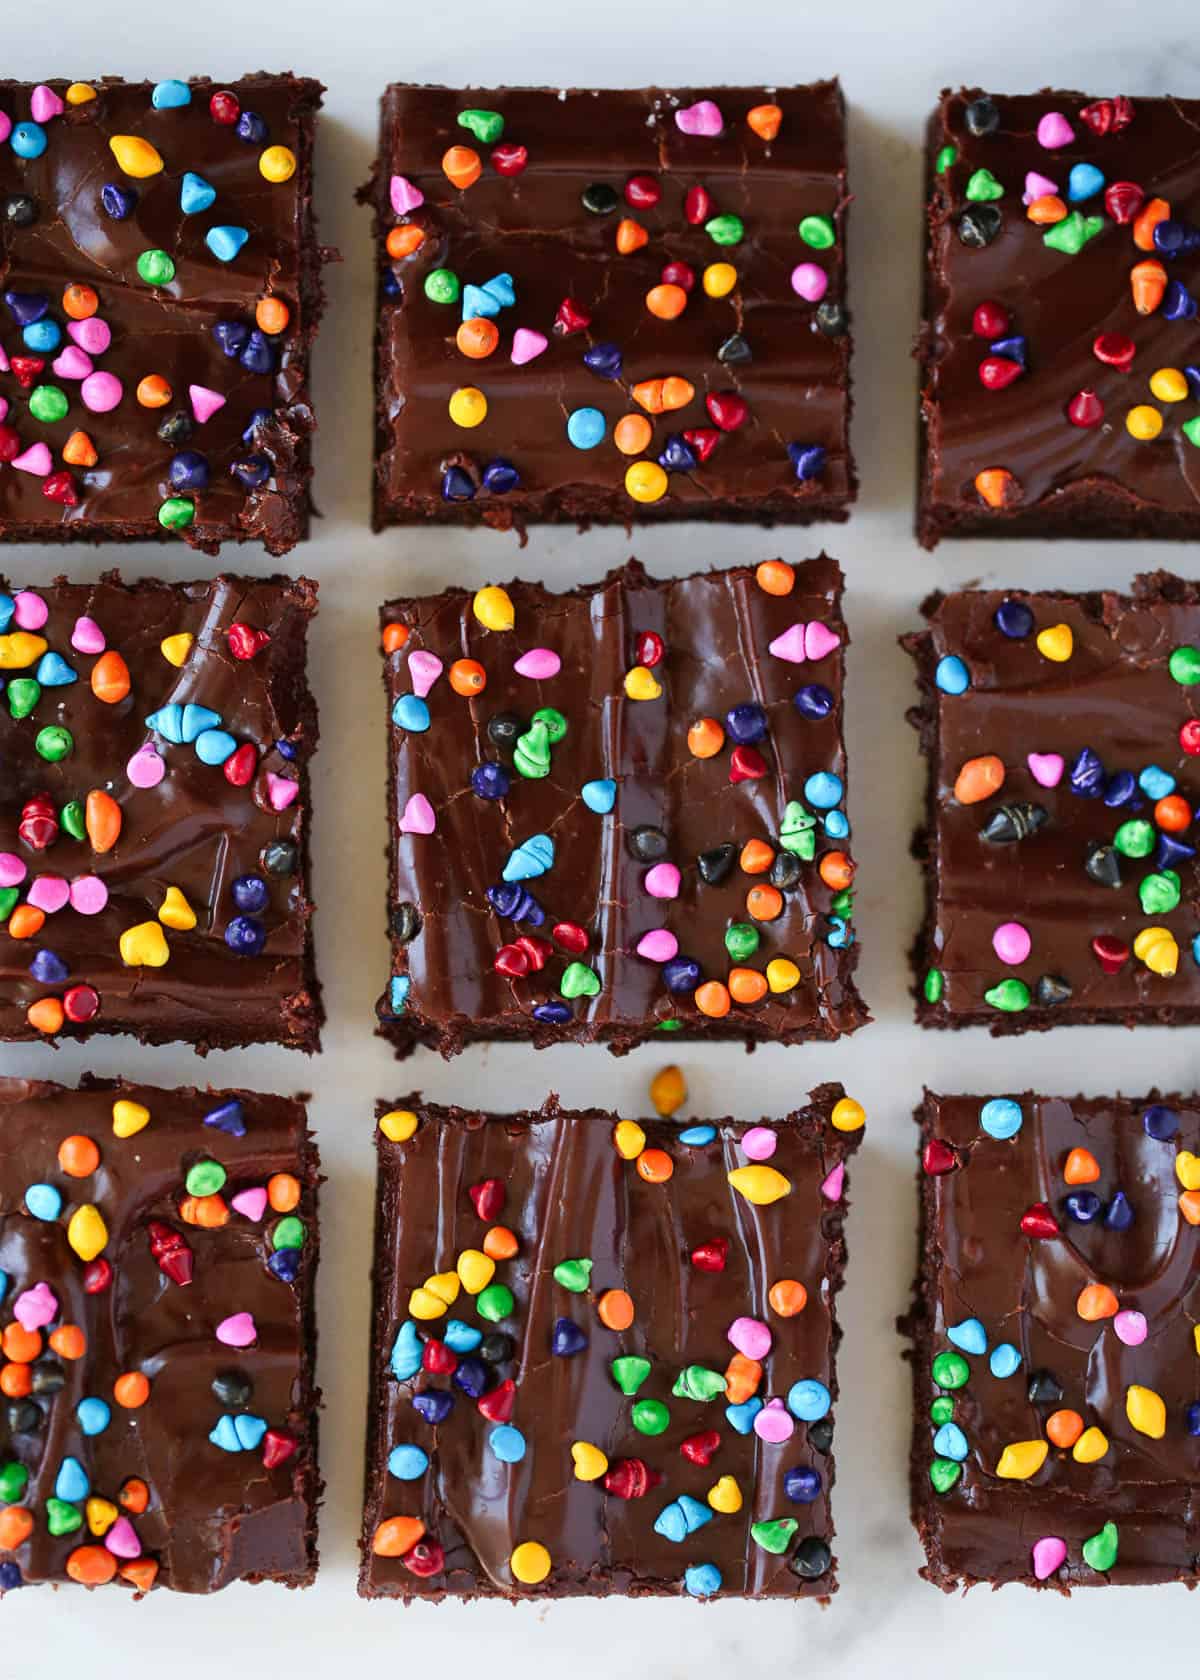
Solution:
(158, 1252)
(635, 1395)
(1056, 1419)
(629, 238)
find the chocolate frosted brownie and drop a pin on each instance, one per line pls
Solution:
(1062, 736)
(1055, 1341)
(604, 1354)
(154, 808)
(1060, 385)
(620, 812)
(158, 1414)
(602, 307)
(161, 289)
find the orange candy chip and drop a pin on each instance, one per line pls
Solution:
(398, 1534)
(394, 637)
(110, 678)
(20, 1344)
(631, 236)
(1146, 220)
(462, 168)
(16, 1525)
(787, 1297)
(46, 1015)
(16, 1381)
(668, 302)
(632, 434)
(140, 1573)
(153, 391)
(836, 870)
(747, 985)
(1047, 210)
(283, 1192)
(1147, 282)
(91, 1566)
(467, 677)
(26, 921)
(705, 738)
(615, 1309)
(79, 302)
(655, 1166)
(1096, 1301)
(713, 999)
(764, 903)
(271, 315)
(978, 779)
(131, 1390)
(996, 486)
(78, 1156)
(499, 1243)
(1064, 1428)
(402, 241)
(1081, 1167)
(775, 577)
(134, 1495)
(765, 120)
(742, 1377)
(1173, 813)
(756, 857)
(658, 396)
(68, 1341)
(208, 1212)
(102, 819)
(1189, 1206)
(477, 337)
(79, 451)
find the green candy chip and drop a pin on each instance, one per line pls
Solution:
(650, 1417)
(71, 819)
(156, 268)
(1135, 838)
(983, 187)
(774, 1536)
(495, 1302)
(1160, 892)
(698, 1382)
(673, 1025)
(574, 1275)
(23, 695)
(934, 985)
(945, 159)
(1184, 666)
(486, 126)
(53, 743)
(579, 980)
(818, 232)
(725, 230)
(950, 1370)
(1100, 1552)
(442, 285)
(629, 1372)
(62, 1518)
(176, 513)
(289, 1233)
(13, 1478)
(943, 1473)
(1010, 996)
(8, 903)
(1072, 234)
(942, 1409)
(48, 403)
(205, 1178)
(741, 941)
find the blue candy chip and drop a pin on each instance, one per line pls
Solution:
(42, 335)
(410, 712)
(43, 1201)
(1005, 1360)
(1001, 1117)
(225, 242)
(1159, 1121)
(836, 824)
(7, 608)
(808, 1400)
(741, 1418)
(195, 194)
(398, 993)
(701, 1580)
(227, 1117)
(169, 96)
(93, 1415)
(214, 746)
(5, 1280)
(586, 428)
(28, 140)
(249, 1430)
(405, 1359)
(695, 1137)
(1156, 783)
(72, 1482)
(54, 672)
(824, 790)
(950, 1442)
(476, 302)
(600, 796)
(460, 1337)
(969, 1335)
(952, 676)
(408, 1463)
(1014, 619)
(507, 1443)
(1084, 181)
(500, 288)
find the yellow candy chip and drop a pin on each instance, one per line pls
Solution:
(137, 157)
(475, 1269)
(760, 1185)
(129, 1117)
(445, 1285)
(1056, 642)
(1022, 1459)
(668, 1091)
(725, 1495)
(629, 1139)
(1145, 1411)
(277, 164)
(1143, 423)
(1156, 947)
(176, 912)
(468, 406)
(848, 1115)
(87, 1233)
(423, 1303)
(1196, 1337)
(590, 1463)
(782, 974)
(20, 649)
(646, 481)
(79, 93)
(1187, 1169)
(493, 608)
(101, 1515)
(144, 946)
(719, 279)
(398, 1124)
(175, 649)
(641, 684)
(1091, 1446)
(1168, 385)
(530, 1563)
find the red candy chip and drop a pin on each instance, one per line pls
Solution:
(175, 1258)
(97, 1277)
(570, 318)
(939, 1158)
(1108, 116)
(1123, 200)
(630, 1478)
(697, 206)
(571, 937)
(1085, 409)
(648, 649)
(437, 1358)
(990, 320)
(38, 826)
(536, 949)
(1110, 952)
(512, 961)
(245, 641)
(998, 371)
(1189, 736)
(700, 1448)
(240, 766)
(278, 1447)
(509, 159)
(10, 444)
(425, 1558)
(1038, 1221)
(80, 1003)
(703, 439)
(497, 1406)
(60, 487)
(727, 409)
(679, 274)
(487, 1198)
(642, 191)
(1114, 349)
(224, 108)
(27, 369)
(746, 764)
(711, 1256)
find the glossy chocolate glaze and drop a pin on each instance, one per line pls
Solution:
(716, 627)
(213, 1516)
(977, 1264)
(567, 1194)
(195, 830)
(167, 330)
(1099, 481)
(1115, 695)
(534, 227)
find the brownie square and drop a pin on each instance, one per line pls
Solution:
(1060, 868)
(162, 285)
(1059, 389)
(549, 259)
(604, 1354)
(158, 1251)
(154, 807)
(1054, 1330)
(619, 812)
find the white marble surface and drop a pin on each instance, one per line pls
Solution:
(893, 59)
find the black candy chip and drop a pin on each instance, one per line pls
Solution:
(979, 225)
(811, 1559)
(1044, 1388)
(715, 865)
(1052, 989)
(232, 1388)
(820, 1435)
(504, 728)
(647, 843)
(406, 922)
(982, 117)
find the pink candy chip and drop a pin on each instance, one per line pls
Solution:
(418, 816)
(251, 1204)
(281, 791)
(146, 768)
(205, 402)
(1046, 768)
(819, 640)
(759, 1143)
(87, 636)
(790, 645)
(662, 881)
(5, 126)
(810, 282)
(12, 869)
(3, 408)
(833, 1182)
(30, 610)
(1130, 1327)
(526, 345)
(751, 1337)
(122, 1541)
(1038, 186)
(424, 669)
(703, 118)
(92, 335)
(89, 895)
(538, 663)
(45, 104)
(404, 195)
(238, 1330)
(35, 1307)
(774, 1423)
(1054, 131)
(1049, 1554)
(73, 363)
(36, 460)
(1011, 943)
(101, 392)
(50, 893)
(659, 945)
